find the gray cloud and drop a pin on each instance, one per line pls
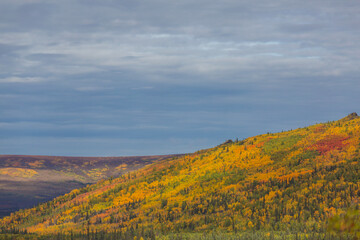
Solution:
(16, 79)
(103, 71)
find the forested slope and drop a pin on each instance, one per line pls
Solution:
(290, 180)
(26, 180)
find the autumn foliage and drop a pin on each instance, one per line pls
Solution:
(294, 180)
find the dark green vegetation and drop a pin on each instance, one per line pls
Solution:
(140, 234)
(26, 181)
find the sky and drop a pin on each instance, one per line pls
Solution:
(125, 78)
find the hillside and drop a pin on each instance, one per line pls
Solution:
(289, 181)
(26, 181)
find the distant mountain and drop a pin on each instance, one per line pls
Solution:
(26, 181)
(288, 181)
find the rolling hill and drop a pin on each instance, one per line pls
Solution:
(26, 181)
(287, 181)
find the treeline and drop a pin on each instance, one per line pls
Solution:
(138, 235)
(88, 234)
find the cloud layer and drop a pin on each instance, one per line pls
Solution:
(134, 78)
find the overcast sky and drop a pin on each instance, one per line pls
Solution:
(115, 78)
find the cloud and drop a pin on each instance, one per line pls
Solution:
(21, 80)
(91, 88)
(209, 42)
(163, 70)
(142, 88)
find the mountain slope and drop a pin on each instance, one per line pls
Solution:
(28, 180)
(290, 180)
